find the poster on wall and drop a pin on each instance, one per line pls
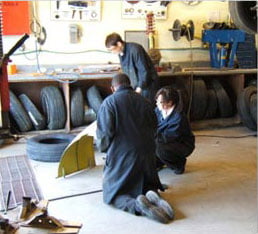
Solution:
(15, 17)
(70, 10)
(139, 9)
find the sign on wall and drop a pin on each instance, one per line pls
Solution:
(75, 10)
(15, 15)
(139, 9)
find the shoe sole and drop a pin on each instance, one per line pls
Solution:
(155, 199)
(150, 210)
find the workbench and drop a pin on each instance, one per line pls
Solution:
(32, 83)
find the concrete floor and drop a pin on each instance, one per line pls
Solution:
(216, 195)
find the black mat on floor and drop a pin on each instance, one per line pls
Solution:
(17, 176)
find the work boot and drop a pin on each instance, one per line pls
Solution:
(159, 164)
(155, 199)
(150, 210)
(179, 168)
(179, 171)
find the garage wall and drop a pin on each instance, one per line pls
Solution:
(94, 34)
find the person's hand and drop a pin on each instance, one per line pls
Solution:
(138, 90)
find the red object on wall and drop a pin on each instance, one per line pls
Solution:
(16, 20)
(4, 88)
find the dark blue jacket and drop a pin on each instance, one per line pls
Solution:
(126, 128)
(175, 129)
(136, 63)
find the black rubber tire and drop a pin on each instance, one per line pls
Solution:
(212, 105)
(183, 95)
(19, 114)
(94, 98)
(48, 147)
(243, 107)
(224, 104)
(242, 16)
(89, 115)
(37, 119)
(183, 100)
(253, 107)
(252, 82)
(199, 100)
(53, 107)
(77, 108)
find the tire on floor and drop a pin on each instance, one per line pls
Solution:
(48, 147)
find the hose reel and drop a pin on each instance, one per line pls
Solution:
(179, 30)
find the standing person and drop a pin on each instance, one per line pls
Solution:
(136, 63)
(175, 140)
(126, 127)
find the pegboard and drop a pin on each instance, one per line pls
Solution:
(75, 10)
(15, 15)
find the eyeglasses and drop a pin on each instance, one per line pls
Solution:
(111, 48)
(159, 102)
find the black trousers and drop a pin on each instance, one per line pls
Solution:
(126, 203)
(173, 154)
(150, 92)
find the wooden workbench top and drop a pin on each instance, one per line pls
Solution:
(202, 71)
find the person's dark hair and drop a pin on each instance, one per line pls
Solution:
(120, 79)
(112, 39)
(168, 94)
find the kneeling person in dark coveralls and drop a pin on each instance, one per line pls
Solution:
(126, 128)
(175, 140)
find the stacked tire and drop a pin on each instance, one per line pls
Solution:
(210, 99)
(26, 116)
(84, 110)
(19, 114)
(53, 106)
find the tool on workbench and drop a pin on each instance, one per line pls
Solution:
(223, 45)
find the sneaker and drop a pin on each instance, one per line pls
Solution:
(151, 211)
(155, 199)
